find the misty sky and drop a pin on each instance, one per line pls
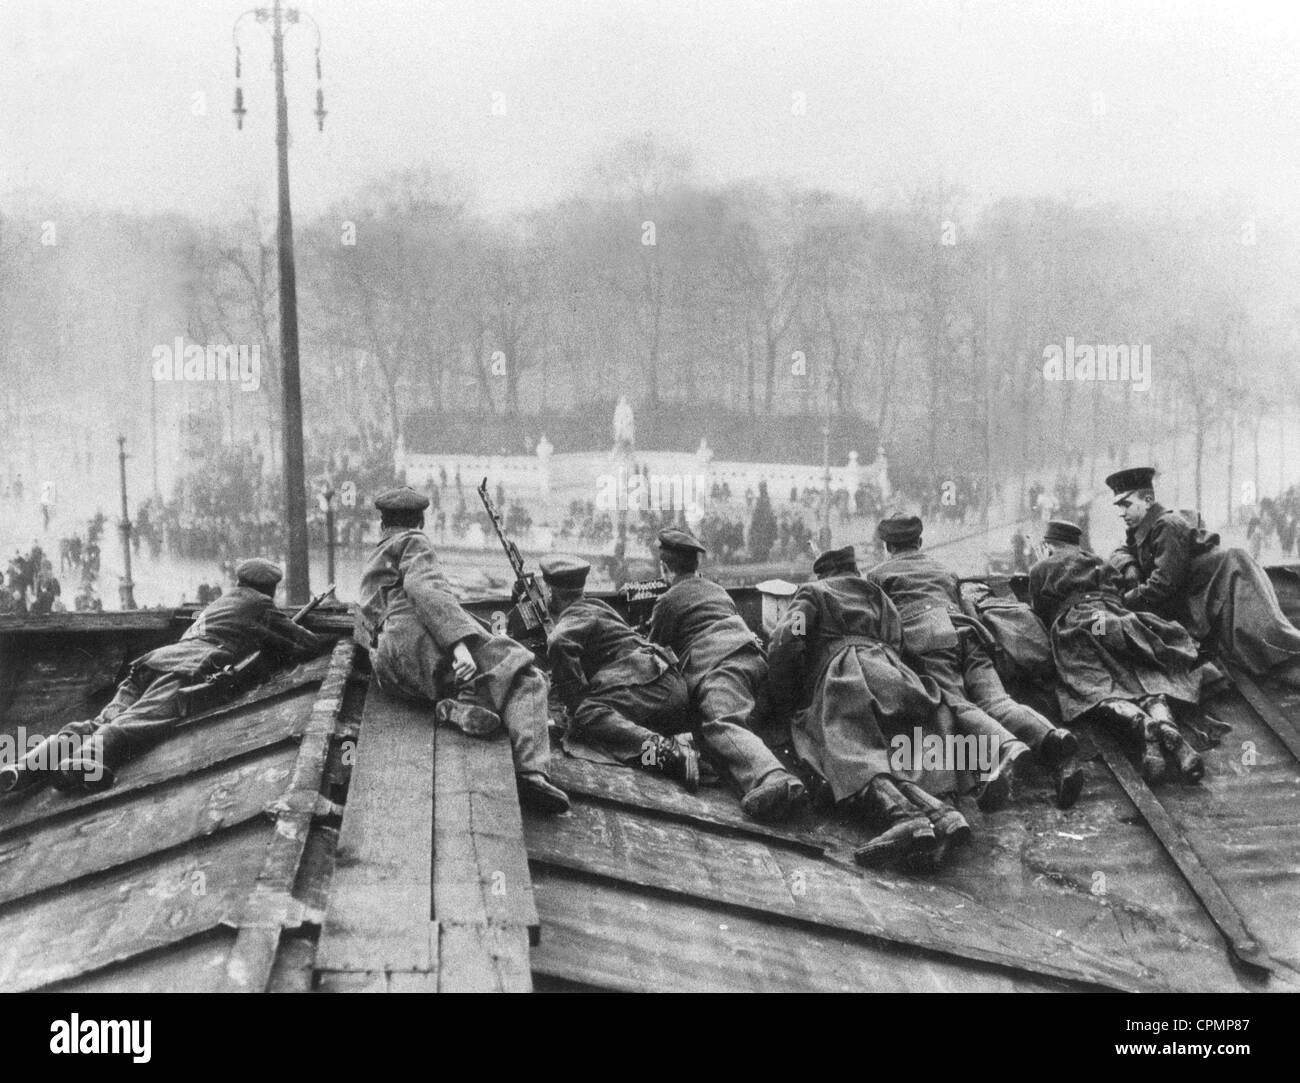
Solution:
(97, 97)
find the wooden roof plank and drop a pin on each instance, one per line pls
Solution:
(616, 937)
(483, 958)
(745, 873)
(253, 957)
(381, 898)
(59, 852)
(480, 863)
(126, 912)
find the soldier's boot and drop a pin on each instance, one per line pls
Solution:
(996, 791)
(40, 766)
(777, 795)
(677, 759)
(1059, 753)
(94, 767)
(1185, 760)
(469, 718)
(950, 826)
(907, 832)
(1143, 733)
(537, 792)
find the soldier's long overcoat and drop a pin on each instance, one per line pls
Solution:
(1222, 596)
(1102, 649)
(409, 619)
(834, 663)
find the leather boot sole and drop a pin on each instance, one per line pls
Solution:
(1185, 760)
(913, 839)
(468, 718)
(539, 794)
(1068, 782)
(774, 798)
(83, 776)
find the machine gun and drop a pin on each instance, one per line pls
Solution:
(640, 596)
(229, 678)
(530, 602)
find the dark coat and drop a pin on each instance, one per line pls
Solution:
(1103, 650)
(834, 664)
(593, 649)
(233, 626)
(409, 620)
(698, 621)
(1222, 596)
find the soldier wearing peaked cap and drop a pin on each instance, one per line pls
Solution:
(724, 667)
(424, 645)
(1116, 666)
(624, 694)
(951, 649)
(148, 704)
(1174, 568)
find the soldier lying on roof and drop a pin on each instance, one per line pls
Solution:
(623, 693)
(1222, 596)
(950, 649)
(1112, 664)
(724, 667)
(148, 704)
(423, 645)
(836, 671)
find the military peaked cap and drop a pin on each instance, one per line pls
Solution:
(836, 560)
(1061, 530)
(403, 498)
(1123, 482)
(257, 572)
(565, 572)
(899, 529)
(673, 538)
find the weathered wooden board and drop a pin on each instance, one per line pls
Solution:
(711, 805)
(271, 906)
(193, 966)
(195, 746)
(60, 851)
(380, 913)
(480, 864)
(483, 958)
(617, 937)
(126, 912)
(745, 873)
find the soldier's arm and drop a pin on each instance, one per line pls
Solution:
(1171, 541)
(289, 639)
(785, 656)
(439, 609)
(662, 622)
(564, 653)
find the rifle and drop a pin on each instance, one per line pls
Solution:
(531, 605)
(228, 678)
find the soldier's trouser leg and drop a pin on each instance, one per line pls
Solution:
(984, 688)
(524, 715)
(122, 732)
(723, 700)
(625, 721)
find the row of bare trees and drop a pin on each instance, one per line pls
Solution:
(928, 317)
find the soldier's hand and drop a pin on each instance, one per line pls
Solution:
(462, 663)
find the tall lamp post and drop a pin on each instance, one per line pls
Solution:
(297, 582)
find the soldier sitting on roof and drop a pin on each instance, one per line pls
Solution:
(1113, 664)
(1222, 596)
(836, 671)
(949, 647)
(724, 667)
(423, 645)
(148, 704)
(623, 693)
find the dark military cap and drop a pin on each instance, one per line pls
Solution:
(257, 572)
(673, 538)
(899, 529)
(565, 572)
(836, 560)
(1061, 530)
(403, 498)
(1123, 482)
